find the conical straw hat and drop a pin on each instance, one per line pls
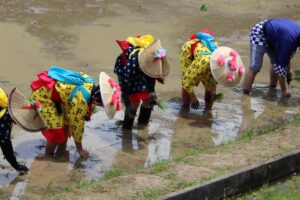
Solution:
(151, 66)
(227, 67)
(107, 91)
(24, 113)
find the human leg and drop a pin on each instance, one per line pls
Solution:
(256, 60)
(273, 76)
(273, 79)
(210, 97)
(50, 148)
(146, 109)
(186, 99)
(62, 145)
(284, 91)
(130, 112)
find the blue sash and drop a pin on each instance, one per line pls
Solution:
(71, 77)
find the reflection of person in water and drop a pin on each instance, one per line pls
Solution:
(6, 124)
(66, 98)
(199, 63)
(279, 38)
(142, 62)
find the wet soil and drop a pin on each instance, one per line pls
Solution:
(81, 36)
(192, 169)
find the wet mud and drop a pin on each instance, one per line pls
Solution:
(81, 36)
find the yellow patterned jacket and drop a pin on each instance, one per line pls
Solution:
(195, 69)
(73, 113)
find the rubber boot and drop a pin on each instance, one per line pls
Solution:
(129, 120)
(144, 116)
(9, 155)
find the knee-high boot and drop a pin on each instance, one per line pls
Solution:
(144, 116)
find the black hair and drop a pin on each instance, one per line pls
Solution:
(96, 95)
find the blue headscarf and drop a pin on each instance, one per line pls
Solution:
(208, 41)
(71, 77)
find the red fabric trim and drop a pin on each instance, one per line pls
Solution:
(184, 91)
(124, 45)
(90, 110)
(55, 135)
(208, 32)
(193, 47)
(55, 96)
(46, 81)
(43, 80)
(138, 96)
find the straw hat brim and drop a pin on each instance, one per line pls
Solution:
(106, 95)
(28, 119)
(155, 69)
(220, 72)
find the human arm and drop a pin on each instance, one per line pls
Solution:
(83, 153)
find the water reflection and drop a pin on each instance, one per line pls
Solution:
(170, 132)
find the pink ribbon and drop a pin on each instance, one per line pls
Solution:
(116, 97)
(159, 54)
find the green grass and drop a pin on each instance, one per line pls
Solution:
(113, 173)
(287, 190)
(296, 120)
(204, 7)
(247, 135)
(160, 166)
(150, 193)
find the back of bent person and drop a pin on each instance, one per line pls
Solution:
(279, 38)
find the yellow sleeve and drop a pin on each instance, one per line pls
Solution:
(3, 102)
(78, 111)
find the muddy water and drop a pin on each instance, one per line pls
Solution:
(81, 36)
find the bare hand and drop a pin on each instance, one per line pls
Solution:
(84, 154)
(194, 101)
(152, 99)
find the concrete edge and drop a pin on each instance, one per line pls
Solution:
(241, 180)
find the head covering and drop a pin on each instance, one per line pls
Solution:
(110, 94)
(3, 102)
(227, 67)
(194, 36)
(24, 112)
(153, 61)
(71, 77)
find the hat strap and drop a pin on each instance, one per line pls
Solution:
(34, 105)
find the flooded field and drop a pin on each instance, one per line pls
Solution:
(81, 36)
